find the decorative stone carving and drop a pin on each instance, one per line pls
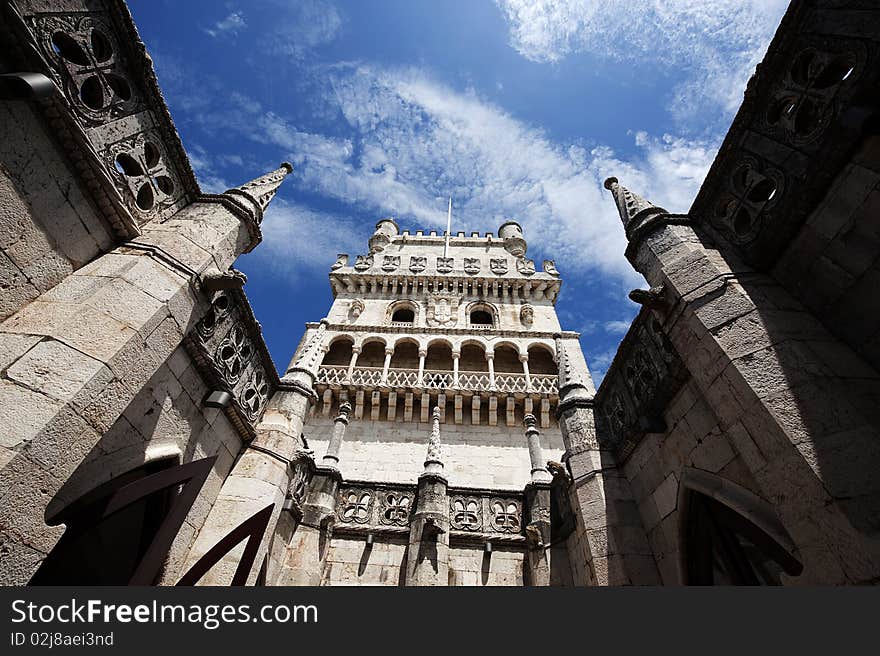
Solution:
(139, 164)
(218, 311)
(751, 192)
(233, 354)
(355, 310)
(255, 394)
(363, 262)
(498, 265)
(355, 506)
(418, 263)
(444, 264)
(442, 309)
(524, 266)
(341, 261)
(390, 262)
(505, 515)
(396, 508)
(472, 265)
(299, 484)
(90, 66)
(803, 105)
(550, 267)
(466, 513)
(527, 314)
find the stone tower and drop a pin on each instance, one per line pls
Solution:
(445, 337)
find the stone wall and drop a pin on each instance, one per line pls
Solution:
(474, 456)
(165, 420)
(654, 470)
(48, 227)
(351, 561)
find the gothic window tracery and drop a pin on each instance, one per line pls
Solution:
(396, 508)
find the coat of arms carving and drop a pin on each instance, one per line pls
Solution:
(550, 267)
(524, 266)
(418, 263)
(442, 310)
(363, 262)
(498, 265)
(444, 265)
(390, 262)
(472, 265)
(341, 261)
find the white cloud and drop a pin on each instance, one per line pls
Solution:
(231, 25)
(715, 45)
(412, 141)
(296, 238)
(303, 26)
(616, 327)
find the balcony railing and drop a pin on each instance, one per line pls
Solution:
(477, 381)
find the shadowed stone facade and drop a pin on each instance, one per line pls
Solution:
(437, 427)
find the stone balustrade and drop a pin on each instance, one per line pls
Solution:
(476, 381)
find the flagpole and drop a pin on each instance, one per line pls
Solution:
(448, 229)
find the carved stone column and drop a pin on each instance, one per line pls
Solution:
(427, 560)
(389, 351)
(490, 358)
(537, 509)
(456, 355)
(609, 529)
(355, 351)
(331, 458)
(524, 358)
(423, 353)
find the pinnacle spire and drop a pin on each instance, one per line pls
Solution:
(572, 386)
(434, 459)
(254, 196)
(633, 208)
(312, 354)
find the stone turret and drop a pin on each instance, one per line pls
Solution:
(386, 229)
(514, 241)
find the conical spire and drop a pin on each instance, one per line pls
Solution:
(254, 196)
(571, 381)
(312, 354)
(434, 459)
(633, 208)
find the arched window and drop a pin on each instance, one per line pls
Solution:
(481, 315)
(403, 315)
(339, 353)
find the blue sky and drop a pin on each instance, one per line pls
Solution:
(518, 109)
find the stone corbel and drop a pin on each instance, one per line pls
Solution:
(214, 280)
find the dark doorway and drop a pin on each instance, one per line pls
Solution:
(725, 548)
(120, 533)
